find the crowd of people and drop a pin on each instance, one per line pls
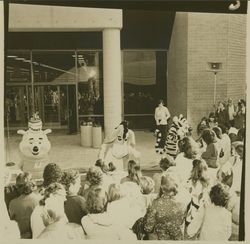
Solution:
(196, 196)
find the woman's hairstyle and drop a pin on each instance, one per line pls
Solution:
(24, 184)
(99, 163)
(114, 192)
(211, 115)
(111, 167)
(166, 162)
(208, 136)
(202, 126)
(198, 172)
(224, 128)
(219, 194)
(94, 175)
(96, 200)
(147, 185)
(169, 184)
(52, 173)
(241, 134)
(242, 101)
(218, 132)
(160, 101)
(52, 189)
(69, 177)
(134, 171)
(189, 147)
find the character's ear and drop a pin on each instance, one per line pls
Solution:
(47, 131)
(21, 132)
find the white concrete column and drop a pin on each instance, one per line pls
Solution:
(247, 152)
(112, 79)
(2, 147)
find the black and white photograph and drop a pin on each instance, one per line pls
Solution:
(124, 120)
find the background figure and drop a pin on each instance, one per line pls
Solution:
(162, 116)
(231, 112)
(221, 114)
(240, 117)
(20, 208)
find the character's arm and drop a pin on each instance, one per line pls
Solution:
(131, 138)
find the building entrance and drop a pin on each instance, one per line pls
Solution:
(51, 101)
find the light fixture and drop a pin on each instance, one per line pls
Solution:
(234, 6)
(11, 56)
(21, 59)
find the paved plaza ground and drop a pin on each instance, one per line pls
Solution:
(67, 151)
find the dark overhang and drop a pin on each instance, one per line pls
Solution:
(209, 6)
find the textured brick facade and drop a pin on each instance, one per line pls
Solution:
(207, 38)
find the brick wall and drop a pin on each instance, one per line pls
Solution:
(177, 66)
(208, 38)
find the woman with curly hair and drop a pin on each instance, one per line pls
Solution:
(213, 221)
(94, 179)
(20, 208)
(52, 173)
(75, 205)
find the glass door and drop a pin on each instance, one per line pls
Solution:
(16, 106)
(51, 101)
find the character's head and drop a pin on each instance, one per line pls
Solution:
(34, 144)
(122, 131)
(183, 128)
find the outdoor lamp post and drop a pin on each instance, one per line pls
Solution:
(215, 68)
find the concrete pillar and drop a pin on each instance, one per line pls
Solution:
(112, 79)
(245, 207)
(2, 140)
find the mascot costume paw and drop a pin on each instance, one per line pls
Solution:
(34, 148)
(177, 131)
(119, 147)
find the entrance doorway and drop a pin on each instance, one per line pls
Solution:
(51, 101)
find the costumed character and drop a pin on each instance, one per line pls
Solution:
(34, 147)
(119, 147)
(177, 131)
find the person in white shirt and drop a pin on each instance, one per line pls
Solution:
(162, 116)
(213, 221)
(231, 112)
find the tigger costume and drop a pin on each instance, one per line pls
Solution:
(177, 131)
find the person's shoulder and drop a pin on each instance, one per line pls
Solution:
(14, 202)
